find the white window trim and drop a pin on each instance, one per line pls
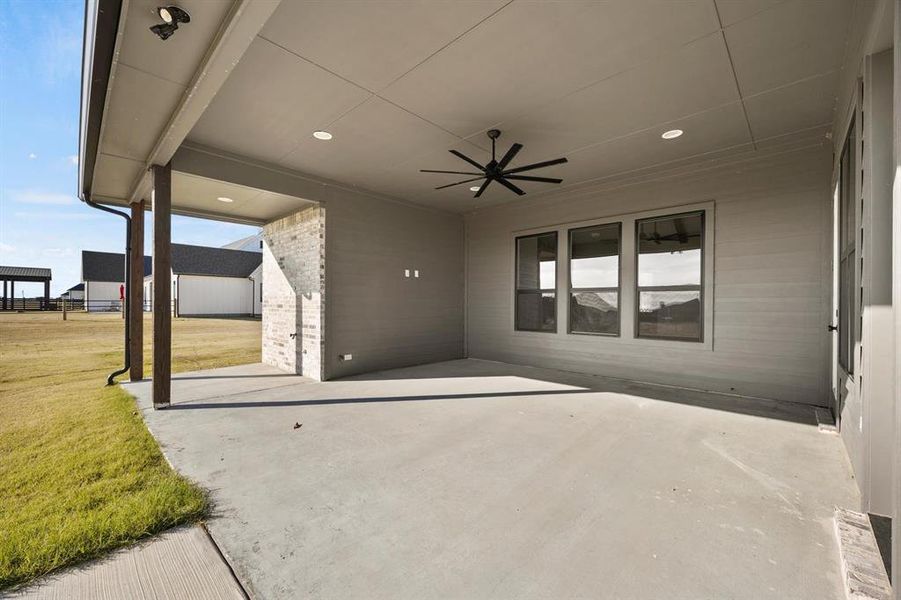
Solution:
(628, 279)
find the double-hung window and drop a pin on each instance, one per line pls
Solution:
(536, 282)
(670, 274)
(594, 279)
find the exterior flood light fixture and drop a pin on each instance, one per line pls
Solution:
(171, 17)
(322, 135)
(224, 199)
(672, 134)
(474, 188)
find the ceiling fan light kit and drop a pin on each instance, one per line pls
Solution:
(497, 170)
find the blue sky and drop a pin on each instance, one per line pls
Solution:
(42, 221)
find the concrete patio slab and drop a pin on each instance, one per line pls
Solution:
(472, 479)
(182, 563)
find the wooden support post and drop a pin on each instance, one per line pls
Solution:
(135, 290)
(12, 294)
(4, 294)
(162, 289)
(46, 295)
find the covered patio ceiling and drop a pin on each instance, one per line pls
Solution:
(399, 84)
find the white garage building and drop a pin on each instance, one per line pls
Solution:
(212, 281)
(102, 275)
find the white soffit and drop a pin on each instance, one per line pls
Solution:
(400, 83)
(149, 79)
(199, 196)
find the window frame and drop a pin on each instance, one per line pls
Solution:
(847, 250)
(672, 288)
(627, 215)
(541, 291)
(619, 280)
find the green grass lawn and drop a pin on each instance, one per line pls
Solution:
(79, 472)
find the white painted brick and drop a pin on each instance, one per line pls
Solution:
(293, 303)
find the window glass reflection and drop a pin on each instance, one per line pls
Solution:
(670, 265)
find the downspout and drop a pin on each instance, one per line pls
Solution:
(110, 380)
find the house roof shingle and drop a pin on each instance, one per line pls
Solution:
(13, 272)
(107, 266)
(221, 262)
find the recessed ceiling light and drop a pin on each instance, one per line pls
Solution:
(474, 188)
(224, 199)
(672, 134)
(322, 135)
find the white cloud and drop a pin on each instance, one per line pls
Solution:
(32, 156)
(7, 248)
(57, 216)
(73, 159)
(58, 252)
(39, 197)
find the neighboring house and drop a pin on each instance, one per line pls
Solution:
(725, 219)
(251, 243)
(76, 292)
(103, 275)
(213, 281)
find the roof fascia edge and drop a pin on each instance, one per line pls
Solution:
(103, 26)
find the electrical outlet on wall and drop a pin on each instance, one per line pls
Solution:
(416, 273)
(407, 273)
(345, 357)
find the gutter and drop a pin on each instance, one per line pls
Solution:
(101, 23)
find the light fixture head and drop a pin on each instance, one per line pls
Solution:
(672, 134)
(173, 14)
(474, 188)
(171, 17)
(322, 135)
(225, 199)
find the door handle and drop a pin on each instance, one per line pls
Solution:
(832, 328)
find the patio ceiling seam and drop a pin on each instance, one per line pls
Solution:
(690, 159)
(372, 94)
(744, 108)
(609, 182)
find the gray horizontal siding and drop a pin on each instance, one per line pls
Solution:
(376, 314)
(772, 281)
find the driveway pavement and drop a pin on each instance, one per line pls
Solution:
(472, 479)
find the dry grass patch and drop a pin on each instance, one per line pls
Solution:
(79, 472)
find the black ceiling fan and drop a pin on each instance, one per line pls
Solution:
(497, 170)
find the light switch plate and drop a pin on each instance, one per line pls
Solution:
(406, 272)
(416, 273)
(346, 356)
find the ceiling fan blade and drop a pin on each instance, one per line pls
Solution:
(513, 151)
(454, 172)
(482, 189)
(547, 163)
(459, 154)
(441, 187)
(510, 186)
(530, 178)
